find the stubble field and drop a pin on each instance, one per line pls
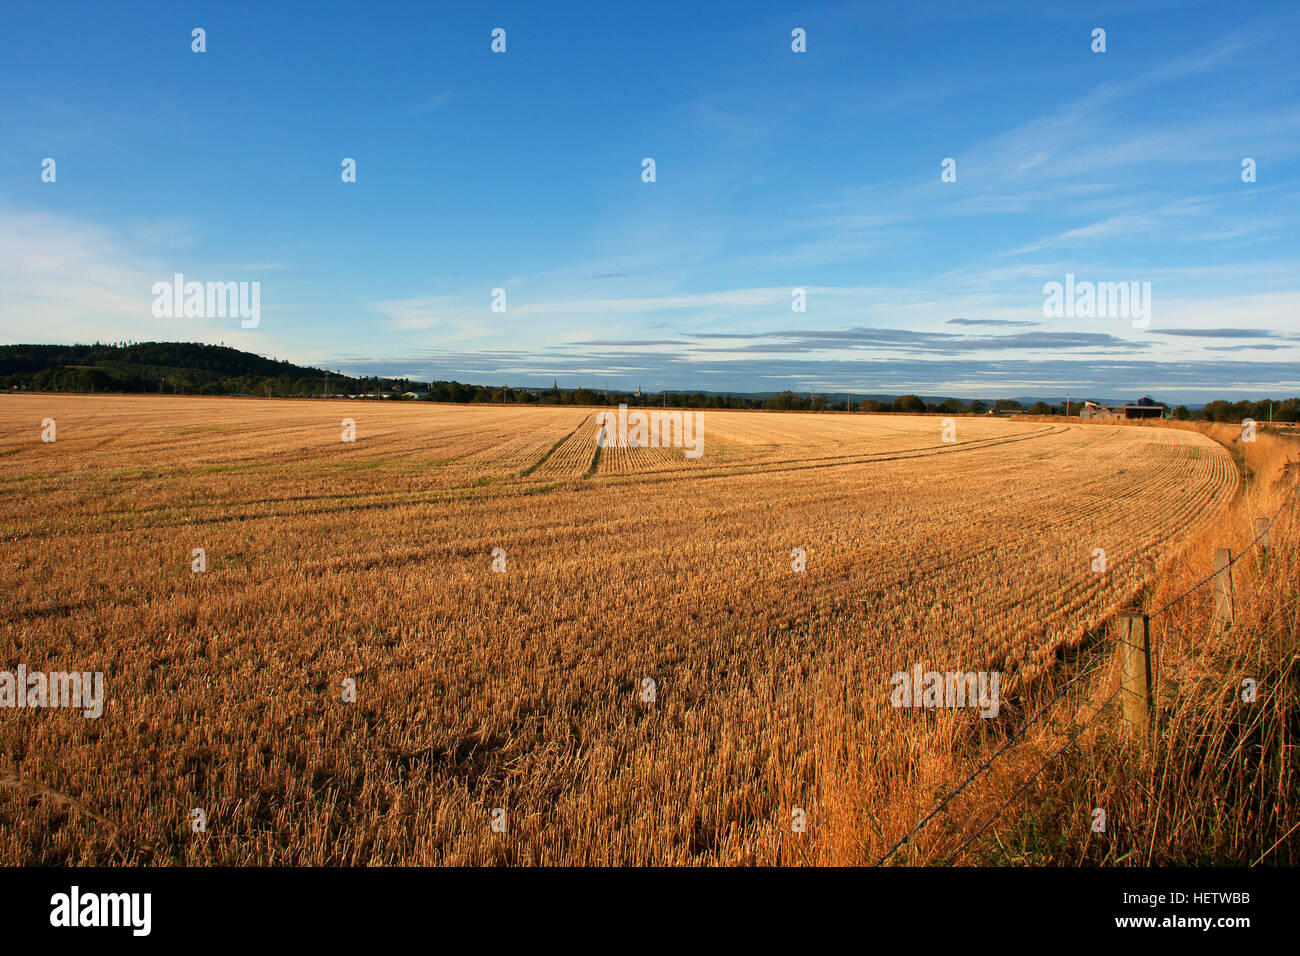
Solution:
(522, 690)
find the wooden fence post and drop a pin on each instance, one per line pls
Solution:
(1223, 611)
(1133, 639)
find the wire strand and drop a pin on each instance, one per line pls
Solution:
(985, 765)
(1024, 786)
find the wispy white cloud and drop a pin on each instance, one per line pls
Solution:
(433, 101)
(64, 279)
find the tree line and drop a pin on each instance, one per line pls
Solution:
(192, 368)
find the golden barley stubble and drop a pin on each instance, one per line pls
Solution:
(477, 690)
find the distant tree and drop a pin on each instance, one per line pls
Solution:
(952, 406)
(1041, 408)
(1217, 411)
(978, 408)
(1007, 405)
(911, 404)
(787, 401)
(1182, 414)
(872, 405)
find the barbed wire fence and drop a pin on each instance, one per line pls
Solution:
(1262, 534)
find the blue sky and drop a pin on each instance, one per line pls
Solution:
(775, 170)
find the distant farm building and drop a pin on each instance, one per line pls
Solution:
(1143, 408)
